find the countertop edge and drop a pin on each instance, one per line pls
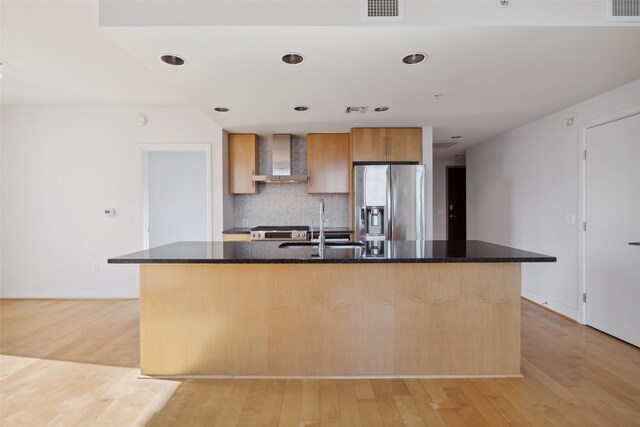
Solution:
(335, 261)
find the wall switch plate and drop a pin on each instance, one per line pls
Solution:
(570, 121)
(570, 219)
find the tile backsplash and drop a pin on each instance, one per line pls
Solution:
(288, 204)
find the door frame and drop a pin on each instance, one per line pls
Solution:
(582, 200)
(446, 194)
(144, 167)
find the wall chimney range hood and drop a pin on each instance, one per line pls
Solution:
(281, 163)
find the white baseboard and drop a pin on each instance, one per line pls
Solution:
(558, 307)
(69, 293)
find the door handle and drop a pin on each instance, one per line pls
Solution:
(634, 243)
(452, 216)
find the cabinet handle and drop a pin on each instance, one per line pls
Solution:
(634, 243)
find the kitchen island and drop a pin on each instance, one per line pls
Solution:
(395, 308)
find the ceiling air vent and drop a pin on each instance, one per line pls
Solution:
(353, 110)
(382, 10)
(623, 10)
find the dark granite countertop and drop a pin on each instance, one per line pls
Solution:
(247, 230)
(410, 251)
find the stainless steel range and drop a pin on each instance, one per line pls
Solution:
(272, 232)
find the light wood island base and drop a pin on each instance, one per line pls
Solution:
(330, 320)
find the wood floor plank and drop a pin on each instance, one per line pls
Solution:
(252, 406)
(586, 413)
(498, 401)
(329, 405)
(369, 413)
(618, 412)
(452, 417)
(464, 407)
(514, 395)
(363, 389)
(488, 412)
(408, 411)
(168, 415)
(230, 414)
(437, 394)
(385, 392)
(291, 404)
(310, 405)
(424, 403)
(205, 404)
(348, 400)
(272, 406)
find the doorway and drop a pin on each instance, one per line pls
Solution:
(456, 203)
(176, 194)
(612, 234)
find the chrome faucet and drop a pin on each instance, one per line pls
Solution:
(321, 228)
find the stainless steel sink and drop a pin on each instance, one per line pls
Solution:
(332, 245)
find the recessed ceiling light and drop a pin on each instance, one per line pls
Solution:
(221, 109)
(381, 109)
(414, 58)
(292, 58)
(173, 60)
(456, 137)
(301, 108)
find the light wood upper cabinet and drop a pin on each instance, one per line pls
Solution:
(404, 145)
(387, 144)
(369, 144)
(242, 163)
(328, 162)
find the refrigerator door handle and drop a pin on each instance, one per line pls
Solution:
(389, 217)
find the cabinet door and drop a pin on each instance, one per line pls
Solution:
(369, 144)
(244, 237)
(329, 162)
(404, 145)
(242, 163)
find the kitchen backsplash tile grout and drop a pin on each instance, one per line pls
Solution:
(288, 204)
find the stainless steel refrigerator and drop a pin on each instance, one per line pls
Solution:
(389, 202)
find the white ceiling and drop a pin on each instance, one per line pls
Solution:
(54, 53)
(491, 78)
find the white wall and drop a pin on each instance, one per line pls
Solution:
(60, 167)
(523, 191)
(427, 160)
(440, 195)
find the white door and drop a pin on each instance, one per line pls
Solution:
(613, 228)
(176, 196)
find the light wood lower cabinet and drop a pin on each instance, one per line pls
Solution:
(328, 162)
(242, 163)
(240, 237)
(330, 319)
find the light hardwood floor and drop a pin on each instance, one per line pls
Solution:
(74, 363)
